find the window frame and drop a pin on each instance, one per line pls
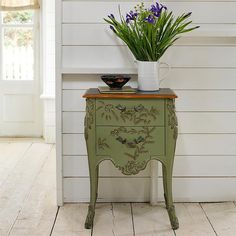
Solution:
(36, 38)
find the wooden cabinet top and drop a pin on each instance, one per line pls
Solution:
(162, 93)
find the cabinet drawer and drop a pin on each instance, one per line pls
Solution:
(130, 142)
(130, 112)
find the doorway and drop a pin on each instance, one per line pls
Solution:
(20, 105)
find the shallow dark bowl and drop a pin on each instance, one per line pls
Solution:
(115, 81)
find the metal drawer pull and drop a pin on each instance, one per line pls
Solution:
(138, 108)
(131, 144)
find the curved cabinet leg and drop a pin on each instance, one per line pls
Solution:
(167, 184)
(93, 197)
(164, 185)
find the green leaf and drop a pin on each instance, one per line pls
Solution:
(148, 42)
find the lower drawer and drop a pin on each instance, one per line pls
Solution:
(130, 142)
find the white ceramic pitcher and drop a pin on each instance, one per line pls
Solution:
(148, 75)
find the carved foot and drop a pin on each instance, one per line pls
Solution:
(173, 219)
(89, 220)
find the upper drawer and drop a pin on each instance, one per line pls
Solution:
(130, 112)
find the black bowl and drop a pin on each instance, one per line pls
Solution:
(115, 81)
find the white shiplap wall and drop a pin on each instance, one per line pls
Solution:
(203, 75)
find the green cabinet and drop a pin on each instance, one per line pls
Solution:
(130, 130)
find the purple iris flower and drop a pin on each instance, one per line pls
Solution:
(111, 16)
(187, 15)
(157, 9)
(112, 28)
(150, 19)
(162, 6)
(131, 16)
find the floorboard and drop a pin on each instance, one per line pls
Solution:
(151, 220)
(17, 186)
(113, 220)
(10, 155)
(122, 219)
(192, 220)
(222, 217)
(20, 140)
(70, 221)
(39, 209)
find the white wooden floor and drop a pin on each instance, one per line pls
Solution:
(28, 204)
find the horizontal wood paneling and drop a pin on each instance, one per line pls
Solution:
(110, 189)
(207, 122)
(85, 12)
(187, 144)
(208, 101)
(203, 75)
(98, 70)
(189, 122)
(101, 34)
(178, 78)
(73, 122)
(200, 78)
(185, 166)
(188, 100)
(98, 1)
(137, 189)
(206, 144)
(204, 166)
(119, 57)
(201, 56)
(74, 144)
(88, 34)
(90, 57)
(77, 81)
(208, 38)
(203, 12)
(77, 166)
(72, 100)
(201, 189)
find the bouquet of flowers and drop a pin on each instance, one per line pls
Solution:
(149, 32)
